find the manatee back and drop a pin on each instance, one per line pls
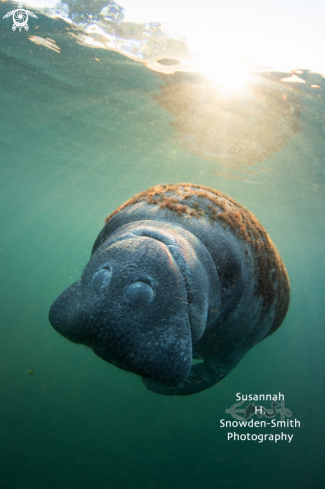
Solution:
(239, 245)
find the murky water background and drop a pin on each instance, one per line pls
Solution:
(79, 137)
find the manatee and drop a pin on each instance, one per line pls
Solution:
(179, 273)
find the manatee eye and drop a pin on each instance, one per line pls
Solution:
(101, 279)
(138, 294)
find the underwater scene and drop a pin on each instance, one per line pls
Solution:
(162, 245)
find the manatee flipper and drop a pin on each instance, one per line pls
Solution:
(202, 376)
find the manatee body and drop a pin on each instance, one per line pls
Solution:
(179, 272)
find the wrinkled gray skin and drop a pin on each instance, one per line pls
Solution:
(160, 291)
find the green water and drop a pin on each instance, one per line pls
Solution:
(78, 138)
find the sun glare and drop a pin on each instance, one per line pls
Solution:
(227, 78)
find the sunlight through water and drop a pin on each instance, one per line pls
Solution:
(146, 31)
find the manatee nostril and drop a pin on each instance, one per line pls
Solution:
(101, 279)
(138, 294)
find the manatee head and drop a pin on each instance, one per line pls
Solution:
(130, 308)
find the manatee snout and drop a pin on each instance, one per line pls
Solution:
(125, 308)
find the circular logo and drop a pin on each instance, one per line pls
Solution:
(20, 19)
